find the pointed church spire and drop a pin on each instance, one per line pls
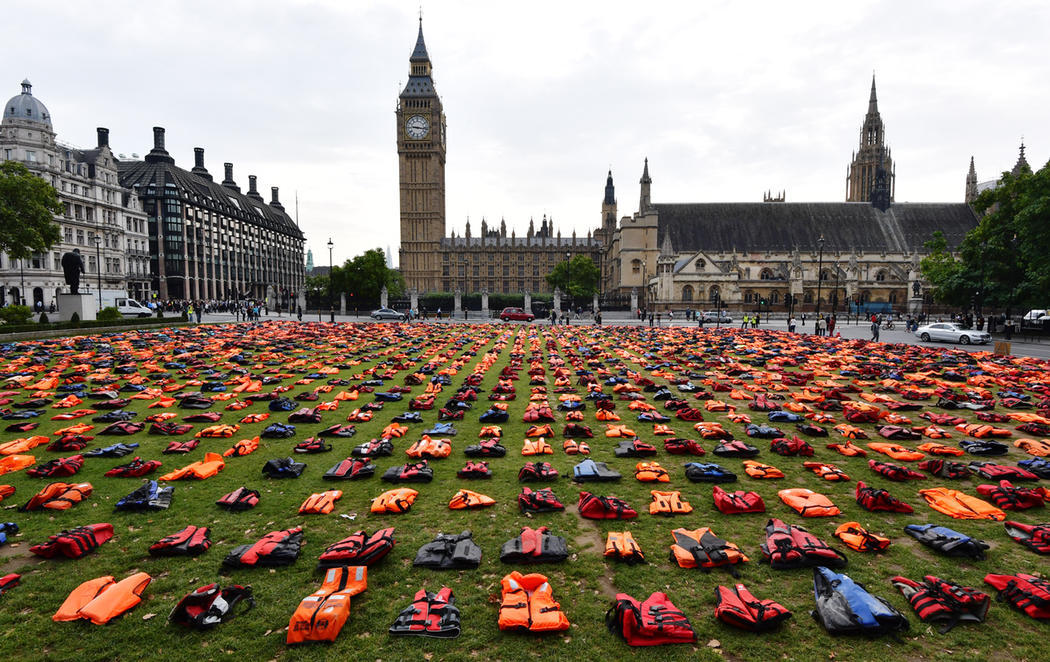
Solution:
(871, 156)
(971, 184)
(873, 102)
(610, 191)
(645, 202)
(419, 53)
(666, 250)
(467, 232)
(1022, 163)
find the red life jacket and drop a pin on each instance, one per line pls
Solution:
(135, 468)
(789, 546)
(1034, 537)
(312, 445)
(944, 468)
(534, 471)
(676, 446)
(894, 471)
(74, 543)
(735, 503)
(429, 615)
(276, 548)
(62, 467)
(601, 507)
(875, 499)
(737, 607)
(790, 447)
(191, 541)
(352, 468)
(475, 470)
(1025, 592)
(240, 499)
(181, 446)
(210, 605)
(938, 600)
(358, 548)
(654, 622)
(540, 501)
(993, 471)
(1006, 496)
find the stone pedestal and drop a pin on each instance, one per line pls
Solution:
(557, 299)
(84, 305)
(342, 303)
(915, 305)
(528, 302)
(457, 302)
(383, 297)
(485, 305)
(413, 297)
(594, 303)
(634, 301)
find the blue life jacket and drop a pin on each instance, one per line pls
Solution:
(699, 472)
(148, 496)
(846, 607)
(590, 471)
(947, 541)
(1037, 465)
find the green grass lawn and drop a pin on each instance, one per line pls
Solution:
(585, 584)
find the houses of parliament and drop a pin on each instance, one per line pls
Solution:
(863, 251)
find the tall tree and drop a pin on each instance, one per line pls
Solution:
(365, 275)
(946, 272)
(577, 277)
(28, 205)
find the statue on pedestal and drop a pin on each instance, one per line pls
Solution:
(72, 267)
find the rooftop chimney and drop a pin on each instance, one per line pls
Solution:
(198, 163)
(275, 202)
(228, 181)
(103, 136)
(158, 154)
(253, 192)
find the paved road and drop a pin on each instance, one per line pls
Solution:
(852, 331)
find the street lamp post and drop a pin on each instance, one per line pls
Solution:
(331, 307)
(22, 290)
(835, 300)
(98, 266)
(568, 271)
(820, 269)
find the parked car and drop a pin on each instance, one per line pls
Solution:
(949, 332)
(712, 316)
(387, 314)
(517, 314)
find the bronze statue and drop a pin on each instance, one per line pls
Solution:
(72, 266)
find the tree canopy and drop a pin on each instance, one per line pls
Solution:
(1003, 261)
(28, 205)
(577, 277)
(363, 276)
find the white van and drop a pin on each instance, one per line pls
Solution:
(1033, 315)
(131, 308)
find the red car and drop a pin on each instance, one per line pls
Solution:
(518, 314)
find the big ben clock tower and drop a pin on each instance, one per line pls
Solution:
(421, 166)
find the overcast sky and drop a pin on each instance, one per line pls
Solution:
(726, 99)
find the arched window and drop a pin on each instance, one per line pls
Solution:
(824, 275)
(636, 266)
(713, 294)
(865, 296)
(699, 265)
(748, 297)
(766, 274)
(774, 297)
(809, 297)
(881, 275)
(893, 297)
(687, 293)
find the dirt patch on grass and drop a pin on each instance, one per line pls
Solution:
(589, 541)
(15, 556)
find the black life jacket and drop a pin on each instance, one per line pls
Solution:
(761, 431)
(948, 542)
(276, 548)
(534, 546)
(875, 499)
(811, 430)
(846, 607)
(984, 447)
(791, 447)
(429, 615)
(116, 450)
(352, 468)
(739, 502)
(734, 448)
(284, 467)
(894, 471)
(413, 472)
(577, 430)
(1034, 537)
(358, 548)
(1026, 592)
(278, 431)
(944, 468)
(123, 428)
(540, 501)
(536, 471)
(603, 507)
(486, 448)
(374, 448)
(449, 552)
(191, 541)
(634, 448)
(240, 499)
(699, 472)
(148, 496)
(654, 622)
(938, 600)
(337, 430)
(312, 445)
(134, 469)
(739, 608)
(475, 470)
(74, 543)
(789, 546)
(210, 605)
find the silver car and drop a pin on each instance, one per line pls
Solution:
(949, 332)
(387, 314)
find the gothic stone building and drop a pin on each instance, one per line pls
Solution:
(208, 240)
(100, 217)
(430, 261)
(864, 251)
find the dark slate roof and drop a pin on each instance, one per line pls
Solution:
(522, 242)
(233, 203)
(419, 53)
(781, 226)
(419, 86)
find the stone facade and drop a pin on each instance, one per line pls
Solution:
(430, 261)
(95, 205)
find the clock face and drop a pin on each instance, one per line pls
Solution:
(417, 127)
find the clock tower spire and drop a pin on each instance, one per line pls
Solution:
(421, 172)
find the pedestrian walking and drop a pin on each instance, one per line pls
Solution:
(874, 329)
(791, 324)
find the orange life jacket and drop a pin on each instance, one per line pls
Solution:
(849, 449)
(6, 491)
(536, 447)
(256, 418)
(544, 430)
(528, 604)
(856, 537)
(430, 448)
(102, 599)
(669, 503)
(320, 504)
(321, 615)
(701, 548)
(218, 431)
(395, 430)
(759, 470)
(808, 503)
(9, 463)
(490, 431)
(1039, 448)
(933, 432)
(940, 449)
(206, 468)
(895, 451)
(358, 416)
(243, 447)
(394, 501)
(621, 545)
(850, 431)
(651, 472)
(982, 430)
(959, 505)
(826, 471)
(659, 429)
(58, 496)
(467, 500)
(619, 431)
(573, 447)
(20, 446)
(606, 415)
